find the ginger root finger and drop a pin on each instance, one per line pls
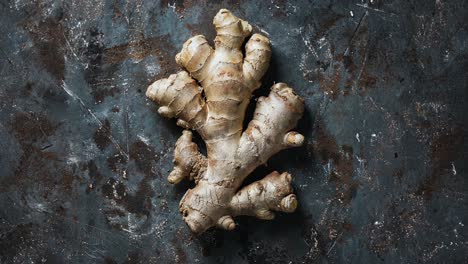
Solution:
(272, 193)
(195, 56)
(231, 30)
(188, 162)
(257, 59)
(274, 116)
(179, 96)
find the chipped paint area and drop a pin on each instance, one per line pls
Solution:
(381, 178)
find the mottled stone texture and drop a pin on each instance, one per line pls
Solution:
(84, 155)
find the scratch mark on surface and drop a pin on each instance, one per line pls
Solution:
(334, 243)
(366, 6)
(363, 65)
(375, 104)
(355, 31)
(454, 170)
(69, 46)
(144, 139)
(92, 114)
(126, 120)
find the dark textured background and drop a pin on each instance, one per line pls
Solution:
(84, 155)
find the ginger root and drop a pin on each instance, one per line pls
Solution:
(228, 79)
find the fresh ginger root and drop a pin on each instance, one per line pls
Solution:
(228, 80)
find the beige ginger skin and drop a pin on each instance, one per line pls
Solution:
(228, 80)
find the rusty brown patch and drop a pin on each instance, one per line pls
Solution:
(49, 41)
(67, 180)
(144, 156)
(341, 172)
(102, 135)
(330, 84)
(94, 175)
(99, 75)
(100, 94)
(31, 127)
(332, 77)
(38, 165)
(160, 47)
(32, 130)
(118, 14)
(445, 149)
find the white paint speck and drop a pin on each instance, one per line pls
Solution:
(454, 170)
(446, 55)
(39, 207)
(357, 137)
(144, 139)
(72, 160)
(351, 13)
(173, 6)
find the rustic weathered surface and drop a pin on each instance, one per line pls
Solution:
(84, 155)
